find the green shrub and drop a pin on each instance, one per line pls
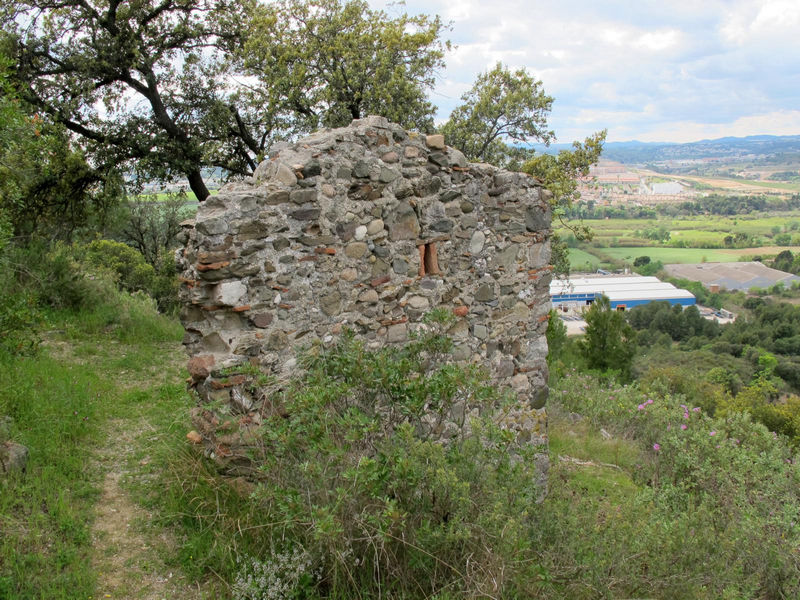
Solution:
(135, 273)
(55, 275)
(354, 477)
(357, 478)
(128, 264)
(19, 316)
(20, 321)
(714, 514)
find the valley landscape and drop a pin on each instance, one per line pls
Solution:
(274, 320)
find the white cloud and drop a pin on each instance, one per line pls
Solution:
(669, 71)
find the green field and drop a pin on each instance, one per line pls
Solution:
(673, 255)
(795, 187)
(580, 260)
(694, 232)
(162, 196)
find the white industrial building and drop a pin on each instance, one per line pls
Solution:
(624, 292)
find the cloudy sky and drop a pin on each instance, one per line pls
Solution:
(668, 70)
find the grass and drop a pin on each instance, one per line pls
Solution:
(580, 260)
(61, 402)
(709, 231)
(46, 514)
(689, 255)
(161, 196)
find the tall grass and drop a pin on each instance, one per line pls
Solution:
(59, 403)
(46, 513)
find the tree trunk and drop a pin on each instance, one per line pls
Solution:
(197, 185)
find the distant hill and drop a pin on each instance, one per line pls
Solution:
(634, 152)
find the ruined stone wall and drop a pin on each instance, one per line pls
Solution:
(366, 227)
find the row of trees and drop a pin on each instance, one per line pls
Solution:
(612, 337)
(166, 89)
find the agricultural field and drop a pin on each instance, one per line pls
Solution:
(696, 232)
(580, 260)
(725, 184)
(685, 239)
(680, 255)
(163, 196)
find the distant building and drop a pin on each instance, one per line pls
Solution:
(623, 292)
(732, 276)
(668, 188)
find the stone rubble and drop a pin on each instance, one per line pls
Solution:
(366, 227)
(13, 457)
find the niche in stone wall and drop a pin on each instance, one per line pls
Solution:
(428, 260)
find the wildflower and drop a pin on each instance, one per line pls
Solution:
(684, 426)
(656, 447)
(649, 401)
(696, 409)
(641, 407)
(712, 433)
(685, 415)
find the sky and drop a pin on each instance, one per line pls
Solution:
(664, 71)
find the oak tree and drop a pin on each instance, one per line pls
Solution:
(143, 84)
(560, 174)
(168, 88)
(501, 107)
(609, 341)
(326, 62)
(46, 184)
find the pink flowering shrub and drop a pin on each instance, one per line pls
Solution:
(717, 500)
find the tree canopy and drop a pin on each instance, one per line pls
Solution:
(142, 83)
(501, 105)
(46, 185)
(167, 88)
(327, 62)
(609, 341)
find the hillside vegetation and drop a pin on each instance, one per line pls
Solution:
(647, 479)
(673, 444)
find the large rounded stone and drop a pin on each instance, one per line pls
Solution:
(13, 457)
(476, 242)
(402, 223)
(356, 250)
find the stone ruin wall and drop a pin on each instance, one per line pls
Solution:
(366, 227)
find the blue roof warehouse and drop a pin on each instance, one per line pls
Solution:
(624, 292)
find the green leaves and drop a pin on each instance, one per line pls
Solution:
(191, 84)
(560, 172)
(157, 69)
(326, 62)
(500, 106)
(608, 344)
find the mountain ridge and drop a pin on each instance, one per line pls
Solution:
(637, 152)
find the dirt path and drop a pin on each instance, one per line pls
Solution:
(129, 549)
